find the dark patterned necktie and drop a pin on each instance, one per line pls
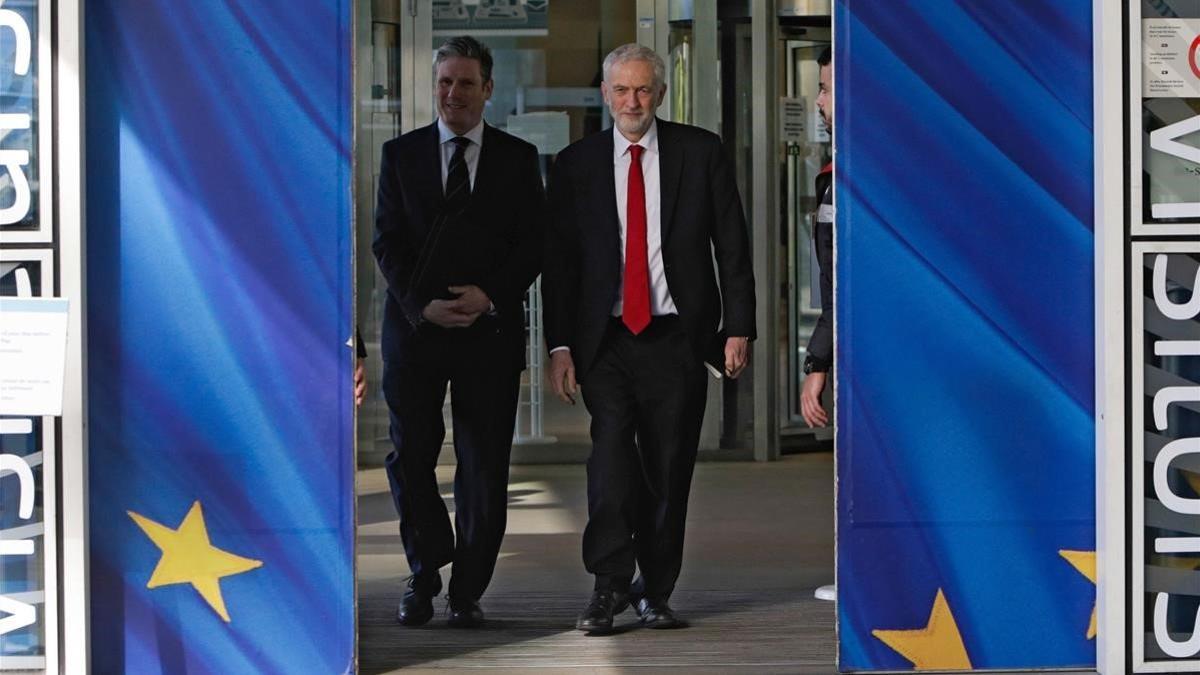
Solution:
(458, 179)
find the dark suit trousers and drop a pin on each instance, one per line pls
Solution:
(646, 394)
(484, 388)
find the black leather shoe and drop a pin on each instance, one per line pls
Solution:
(416, 607)
(657, 614)
(464, 614)
(598, 617)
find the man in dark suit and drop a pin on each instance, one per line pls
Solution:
(459, 228)
(632, 310)
(819, 360)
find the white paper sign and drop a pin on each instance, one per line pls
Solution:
(33, 354)
(791, 120)
(550, 131)
(1171, 58)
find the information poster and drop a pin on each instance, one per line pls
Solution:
(791, 120)
(1171, 58)
(550, 130)
(33, 352)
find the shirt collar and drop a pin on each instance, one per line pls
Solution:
(474, 135)
(649, 140)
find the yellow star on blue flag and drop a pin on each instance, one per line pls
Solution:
(188, 557)
(1084, 562)
(937, 646)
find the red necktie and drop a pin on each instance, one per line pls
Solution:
(636, 303)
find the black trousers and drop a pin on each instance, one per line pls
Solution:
(484, 388)
(646, 394)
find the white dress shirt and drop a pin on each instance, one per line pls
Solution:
(445, 137)
(661, 301)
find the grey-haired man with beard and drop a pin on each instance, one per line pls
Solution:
(632, 311)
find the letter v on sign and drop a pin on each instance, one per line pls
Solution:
(15, 615)
(1164, 140)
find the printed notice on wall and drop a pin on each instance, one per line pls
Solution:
(791, 120)
(549, 130)
(1171, 58)
(33, 353)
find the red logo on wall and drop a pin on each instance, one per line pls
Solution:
(1194, 56)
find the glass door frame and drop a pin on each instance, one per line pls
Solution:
(416, 40)
(653, 30)
(654, 24)
(800, 277)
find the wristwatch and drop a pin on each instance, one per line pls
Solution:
(416, 320)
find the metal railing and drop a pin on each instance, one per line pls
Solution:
(531, 409)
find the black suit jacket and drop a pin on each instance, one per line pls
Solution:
(701, 216)
(820, 345)
(506, 208)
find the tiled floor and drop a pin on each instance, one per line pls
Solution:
(759, 541)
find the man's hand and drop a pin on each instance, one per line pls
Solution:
(360, 382)
(445, 313)
(810, 400)
(471, 300)
(562, 375)
(737, 354)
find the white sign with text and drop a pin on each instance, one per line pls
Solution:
(1171, 58)
(33, 351)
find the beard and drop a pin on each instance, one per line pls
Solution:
(634, 127)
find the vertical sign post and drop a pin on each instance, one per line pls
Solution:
(33, 264)
(1148, 350)
(29, 267)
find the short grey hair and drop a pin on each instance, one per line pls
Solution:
(466, 47)
(636, 52)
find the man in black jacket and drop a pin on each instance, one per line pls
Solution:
(632, 310)
(819, 360)
(459, 228)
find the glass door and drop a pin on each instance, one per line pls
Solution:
(807, 149)
(547, 70)
(380, 45)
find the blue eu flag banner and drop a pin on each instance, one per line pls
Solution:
(965, 334)
(219, 289)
